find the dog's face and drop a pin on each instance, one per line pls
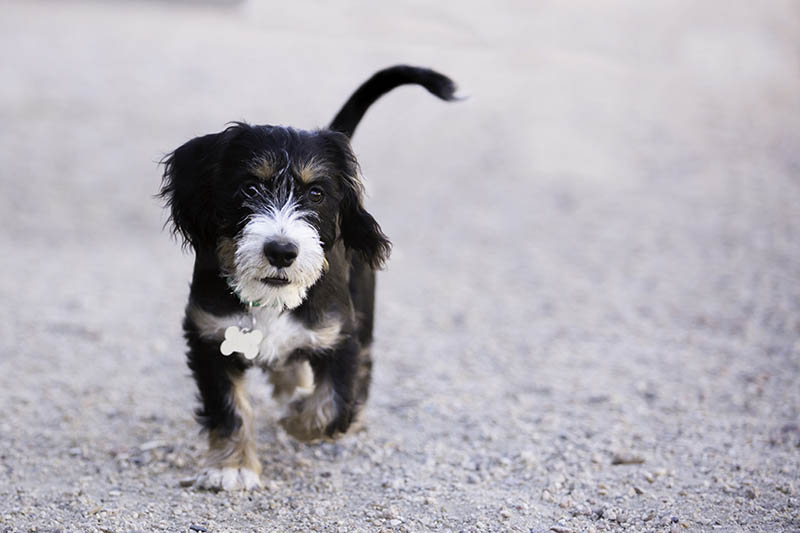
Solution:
(270, 202)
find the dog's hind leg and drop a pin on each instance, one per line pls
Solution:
(363, 378)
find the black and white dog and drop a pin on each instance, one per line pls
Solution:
(284, 279)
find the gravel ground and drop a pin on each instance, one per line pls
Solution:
(590, 321)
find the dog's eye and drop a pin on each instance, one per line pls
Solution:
(249, 189)
(316, 194)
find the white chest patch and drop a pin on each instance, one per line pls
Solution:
(282, 333)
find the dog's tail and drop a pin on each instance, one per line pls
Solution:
(381, 83)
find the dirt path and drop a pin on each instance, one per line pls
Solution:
(590, 321)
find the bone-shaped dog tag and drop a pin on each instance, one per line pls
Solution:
(243, 341)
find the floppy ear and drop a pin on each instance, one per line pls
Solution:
(188, 188)
(360, 231)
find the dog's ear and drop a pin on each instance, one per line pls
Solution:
(359, 230)
(188, 188)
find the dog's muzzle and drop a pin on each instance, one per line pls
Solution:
(278, 257)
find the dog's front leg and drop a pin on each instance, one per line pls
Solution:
(341, 382)
(231, 462)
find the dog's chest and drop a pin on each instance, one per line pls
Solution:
(283, 334)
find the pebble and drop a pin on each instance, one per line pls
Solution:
(392, 483)
(626, 459)
(152, 445)
(582, 509)
(528, 458)
(194, 527)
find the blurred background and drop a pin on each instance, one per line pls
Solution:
(591, 316)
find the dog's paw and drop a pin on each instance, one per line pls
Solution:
(298, 427)
(228, 478)
(307, 419)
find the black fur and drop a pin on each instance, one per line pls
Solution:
(381, 83)
(211, 190)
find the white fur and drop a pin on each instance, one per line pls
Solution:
(283, 334)
(251, 266)
(228, 478)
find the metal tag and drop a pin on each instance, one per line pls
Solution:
(244, 341)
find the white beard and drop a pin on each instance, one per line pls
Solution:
(251, 266)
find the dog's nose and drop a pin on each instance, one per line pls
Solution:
(280, 253)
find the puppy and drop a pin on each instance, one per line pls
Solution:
(284, 274)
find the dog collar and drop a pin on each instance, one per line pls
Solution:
(245, 301)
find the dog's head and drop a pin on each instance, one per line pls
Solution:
(271, 202)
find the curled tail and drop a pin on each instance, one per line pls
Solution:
(381, 83)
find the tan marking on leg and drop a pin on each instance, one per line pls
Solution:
(232, 462)
(361, 390)
(358, 423)
(307, 418)
(239, 449)
(290, 378)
